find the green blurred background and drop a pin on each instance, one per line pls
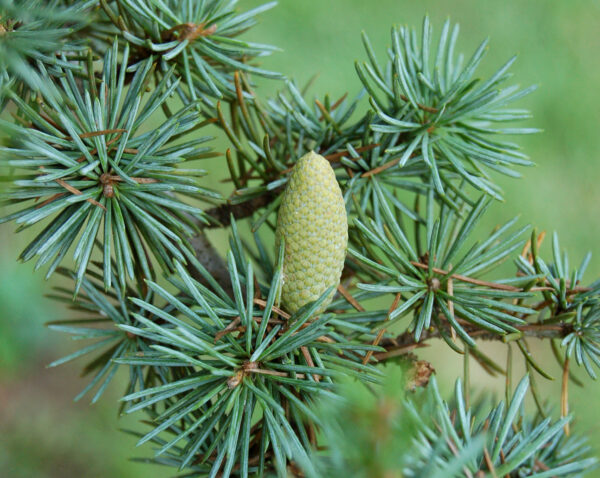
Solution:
(44, 434)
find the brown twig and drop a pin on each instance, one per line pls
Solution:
(334, 157)
(277, 310)
(397, 351)
(405, 342)
(309, 361)
(100, 133)
(525, 252)
(351, 300)
(49, 200)
(471, 280)
(189, 31)
(489, 463)
(77, 192)
(335, 105)
(381, 168)
(95, 150)
(230, 328)
(495, 285)
(382, 331)
(221, 214)
(119, 179)
(429, 109)
(564, 395)
(450, 290)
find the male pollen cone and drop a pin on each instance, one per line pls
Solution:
(312, 221)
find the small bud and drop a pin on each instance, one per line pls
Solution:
(419, 375)
(107, 185)
(108, 190)
(312, 221)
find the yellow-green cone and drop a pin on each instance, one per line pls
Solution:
(312, 221)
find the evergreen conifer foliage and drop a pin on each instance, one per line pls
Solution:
(105, 111)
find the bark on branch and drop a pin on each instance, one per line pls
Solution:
(405, 342)
(221, 215)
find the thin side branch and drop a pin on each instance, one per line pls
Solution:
(405, 342)
(221, 215)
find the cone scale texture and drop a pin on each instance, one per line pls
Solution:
(312, 221)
